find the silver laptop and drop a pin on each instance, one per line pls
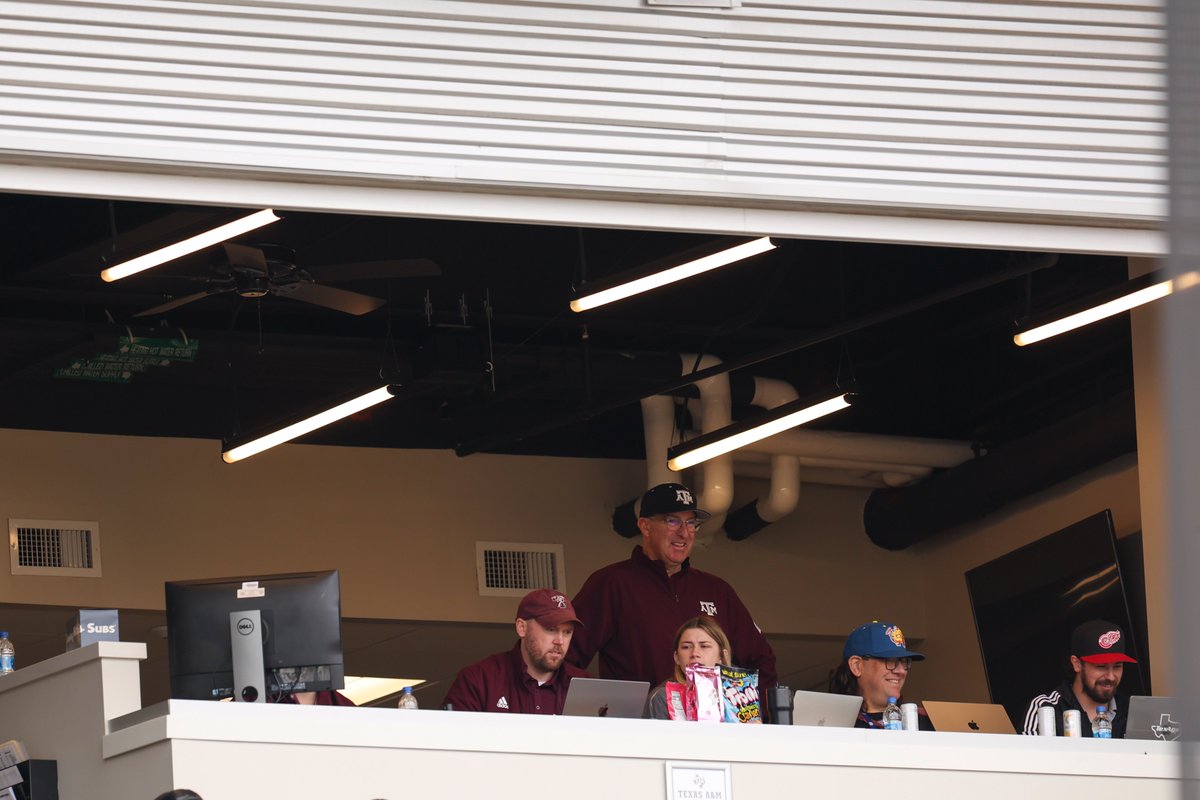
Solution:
(825, 710)
(1155, 718)
(968, 717)
(601, 697)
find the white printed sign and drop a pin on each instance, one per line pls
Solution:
(689, 781)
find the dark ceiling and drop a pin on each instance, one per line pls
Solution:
(564, 383)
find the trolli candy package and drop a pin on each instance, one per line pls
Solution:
(704, 693)
(739, 691)
(676, 709)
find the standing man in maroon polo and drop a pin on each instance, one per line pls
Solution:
(532, 677)
(632, 609)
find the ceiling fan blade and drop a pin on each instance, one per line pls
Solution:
(329, 297)
(180, 301)
(376, 270)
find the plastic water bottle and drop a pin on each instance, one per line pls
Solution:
(1102, 726)
(892, 720)
(8, 654)
(408, 699)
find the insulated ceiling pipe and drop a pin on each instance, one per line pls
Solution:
(784, 493)
(874, 448)
(658, 426)
(716, 412)
(808, 475)
(715, 488)
(897, 518)
(833, 471)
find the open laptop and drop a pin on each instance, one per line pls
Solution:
(601, 697)
(825, 710)
(1154, 718)
(968, 717)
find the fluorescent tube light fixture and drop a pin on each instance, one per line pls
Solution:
(740, 434)
(189, 245)
(1135, 293)
(320, 420)
(677, 273)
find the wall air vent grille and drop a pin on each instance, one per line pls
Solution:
(512, 569)
(54, 547)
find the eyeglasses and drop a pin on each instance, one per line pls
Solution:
(675, 523)
(892, 663)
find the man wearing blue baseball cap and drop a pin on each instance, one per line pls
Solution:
(875, 664)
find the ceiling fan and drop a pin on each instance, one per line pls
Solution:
(254, 272)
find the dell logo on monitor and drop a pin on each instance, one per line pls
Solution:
(245, 626)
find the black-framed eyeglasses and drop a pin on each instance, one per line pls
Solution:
(675, 523)
(892, 663)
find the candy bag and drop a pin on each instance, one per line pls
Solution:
(676, 708)
(739, 692)
(704, 693)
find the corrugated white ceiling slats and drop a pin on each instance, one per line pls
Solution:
(1028, 111)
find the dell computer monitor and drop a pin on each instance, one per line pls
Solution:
(298, 623)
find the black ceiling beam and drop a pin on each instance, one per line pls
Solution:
(1024, 264)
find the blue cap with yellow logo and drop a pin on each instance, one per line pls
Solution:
(878, 640)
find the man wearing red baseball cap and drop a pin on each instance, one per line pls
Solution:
(1098, 660)
(532, 677)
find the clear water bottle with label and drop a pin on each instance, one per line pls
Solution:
(892, 719)
(8, 654)
(408, 699)
(1102, 725)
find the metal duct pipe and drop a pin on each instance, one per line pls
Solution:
(897, 518)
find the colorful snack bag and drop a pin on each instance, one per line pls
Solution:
(704, 693)
(676, 708)
(739, 690)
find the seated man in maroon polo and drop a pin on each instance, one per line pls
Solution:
(532, 678)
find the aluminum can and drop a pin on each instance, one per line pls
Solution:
(1045, 721)
(908, 716)
(1071, 724)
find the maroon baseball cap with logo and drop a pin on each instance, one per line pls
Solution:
(1099, 642)
(549, 607)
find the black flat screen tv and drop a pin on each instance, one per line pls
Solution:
(301, 633)
(1026, 604)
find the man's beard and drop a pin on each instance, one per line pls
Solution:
(546, 660)
(1101, 694)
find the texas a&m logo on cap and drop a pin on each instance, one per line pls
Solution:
(559, 600)
(684, 496)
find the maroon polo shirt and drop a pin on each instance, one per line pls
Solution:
(502, 683)
(631, 610)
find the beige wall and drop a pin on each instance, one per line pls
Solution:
(401, 526)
